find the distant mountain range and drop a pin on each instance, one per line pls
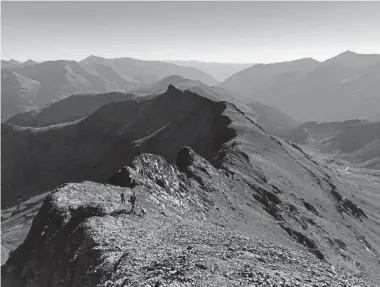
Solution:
(145, 72)
(33, 85)
(220, 71)
(78, 106)
(344, 87)
(338, 89)
(356, 141)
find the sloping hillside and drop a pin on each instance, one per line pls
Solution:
(59, 79)
(18, 93)
(356, 141)
(271, 119)
(51, 81)
(262, 76)
(189, 227)
(342, 88)
(66, 110)
(245, 179)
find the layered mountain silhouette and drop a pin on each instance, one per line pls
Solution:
(147, 72)
(220, 71)
(357, 141)
(35, 85)
(17, 93)
(271, 119)
(341, 88)
(51, 81)
(78, 106)
(10, 63)
(216, 193)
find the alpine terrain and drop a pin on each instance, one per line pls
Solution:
(220, 201)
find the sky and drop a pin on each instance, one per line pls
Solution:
(240, 32)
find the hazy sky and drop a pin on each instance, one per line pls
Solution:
(205, 31)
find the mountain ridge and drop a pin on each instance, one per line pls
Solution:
(261, 184)
(75, 107)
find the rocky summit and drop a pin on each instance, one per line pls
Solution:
(179, 235)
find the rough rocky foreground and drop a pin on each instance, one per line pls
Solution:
(185, 233)
(16, 222)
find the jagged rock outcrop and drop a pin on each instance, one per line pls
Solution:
(175, 239)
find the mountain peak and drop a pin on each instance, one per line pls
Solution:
(349, 52)
(30, 62)
(354, 59)
(13, 61)
(171, 88)
(346, 54)
(92, 58)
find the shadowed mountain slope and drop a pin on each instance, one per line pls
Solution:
(271, 119)
(341, 88)
(239, 177)
(356, 141)
(113, 134)
(66, 110)
(16, 222)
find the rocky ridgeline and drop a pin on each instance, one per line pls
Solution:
(84, 236)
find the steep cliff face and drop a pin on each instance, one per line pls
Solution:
(184, 232)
